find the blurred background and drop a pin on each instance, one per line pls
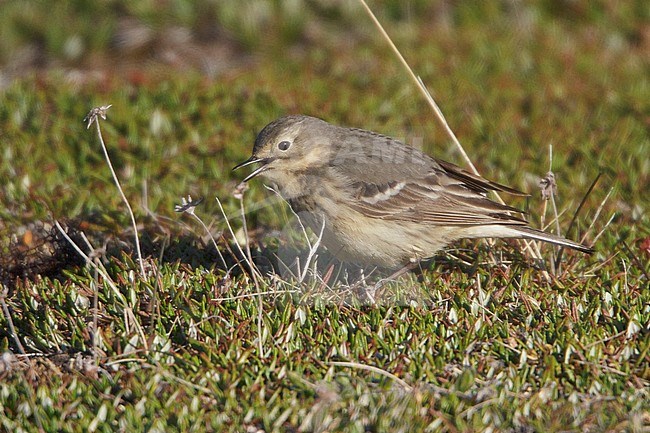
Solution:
(89, 38)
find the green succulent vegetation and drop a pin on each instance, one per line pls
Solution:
(479, 340)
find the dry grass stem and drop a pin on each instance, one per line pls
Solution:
(94, 265)
(312, 247)
(93, 117)
(605, 227)
(239, 194)
(129, 316)
(374, 369)
(188, 206)
(252, 295)
(252, 267)
(10, 322)
(418, 82)
(255, 273)
(596, 216)
(312, 252)
(582, 202)
(553, 191)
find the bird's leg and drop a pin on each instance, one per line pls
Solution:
(363, 290)
(395, 275)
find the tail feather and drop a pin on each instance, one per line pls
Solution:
(531, 233)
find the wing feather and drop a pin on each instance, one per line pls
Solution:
(391, 181)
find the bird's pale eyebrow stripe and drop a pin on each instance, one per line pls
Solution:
(372, 193)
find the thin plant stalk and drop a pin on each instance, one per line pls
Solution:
(232, 233)
(21, 349)
(247, 243)
(95, 303)
(89, 261)
(188, 206)
(418, 82)
(312, 247)
(96, 318)
(254, 272)
(374, 369)
(312, 251)
(93, 117)
(558, 231)
(252, 295)
(600, 233)
(214, 242)
(10, 322)
(555, 266)
(260, 304)
(128, 311)
(597, 215)
(577, 212)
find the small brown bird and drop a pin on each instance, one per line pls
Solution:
(382, 203)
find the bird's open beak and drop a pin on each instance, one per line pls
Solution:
(254, 160)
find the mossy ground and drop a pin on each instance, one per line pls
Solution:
(479, 340)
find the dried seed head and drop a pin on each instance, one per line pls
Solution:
(97, 111)
(188, 205)
(548, 185)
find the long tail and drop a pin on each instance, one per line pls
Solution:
(531, 233)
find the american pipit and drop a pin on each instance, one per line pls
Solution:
(382, 202)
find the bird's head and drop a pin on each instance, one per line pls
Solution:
(290, 146)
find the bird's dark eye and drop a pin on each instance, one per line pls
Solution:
(284, 145)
